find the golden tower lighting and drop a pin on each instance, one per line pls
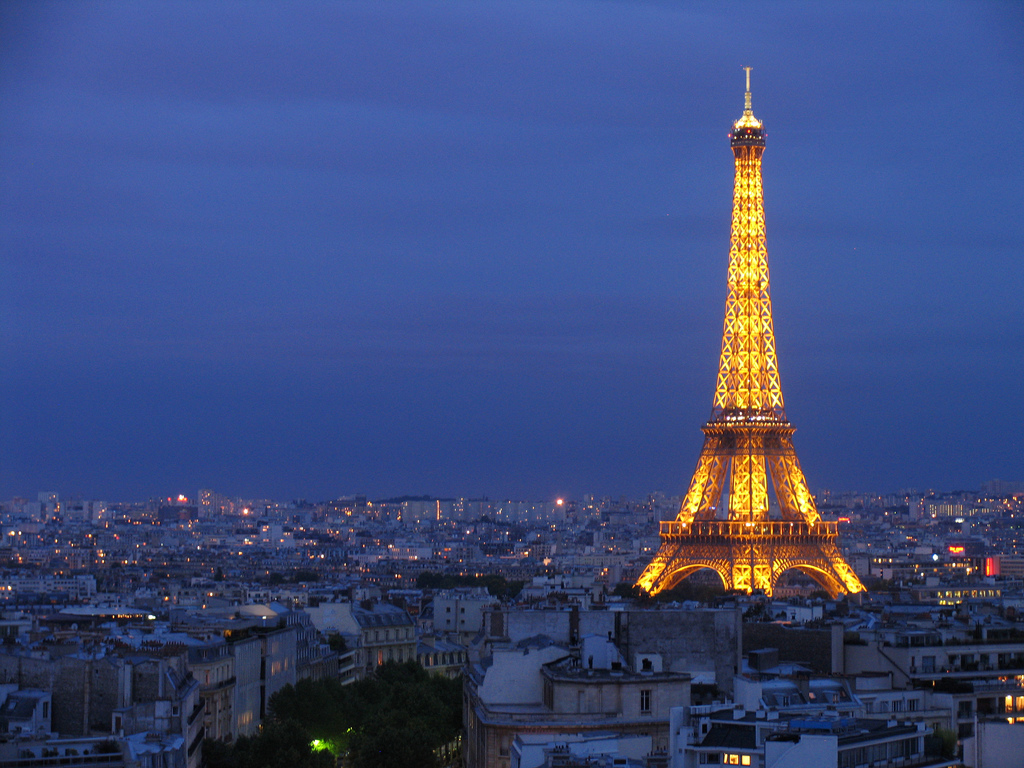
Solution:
(723, 523)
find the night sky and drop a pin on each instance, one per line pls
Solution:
(314, 249)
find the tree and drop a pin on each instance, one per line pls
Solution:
(942, 742)
(280, 744)
(400, 716)
(496, 585)
(681, 592)
(217, 754)
(395, 742)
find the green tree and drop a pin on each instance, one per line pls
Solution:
(395, 741)
(280, 744)
(681, 592)
(217, 754)
(942, 742)
(496, 585)
(397, 717)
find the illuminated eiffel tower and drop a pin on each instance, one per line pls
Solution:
(723, 523)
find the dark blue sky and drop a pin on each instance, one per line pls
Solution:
(312, 249)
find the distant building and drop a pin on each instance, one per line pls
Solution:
(705, 643)
(460, 612)
(539, 688)
(24, 711)
(995, 743)
(849, 742)
(381, 632)
(441, 657)
(579, 750)
(117, 695)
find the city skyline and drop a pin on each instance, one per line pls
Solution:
(478, 250)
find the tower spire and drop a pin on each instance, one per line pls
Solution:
(748, 120)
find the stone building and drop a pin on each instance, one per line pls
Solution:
(213, 666)
(459, 612)
(380, 632)
(263, 651)
(541, 688)
(115, 693)
(440, 657)
(705, 643)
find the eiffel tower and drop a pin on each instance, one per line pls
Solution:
(723, 522)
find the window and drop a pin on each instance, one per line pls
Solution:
(912, 705)
(902, 749)
(897, 706)
(645, 702)
(46, 709)
(877, 753)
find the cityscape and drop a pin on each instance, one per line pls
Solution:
(339, 372)
(233, 600)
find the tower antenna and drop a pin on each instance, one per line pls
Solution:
(747, 105)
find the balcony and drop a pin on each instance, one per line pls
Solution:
(735, 529)
(214, 687)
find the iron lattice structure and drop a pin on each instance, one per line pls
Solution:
(724, 521)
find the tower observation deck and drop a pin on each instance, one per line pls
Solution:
(723, 522)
